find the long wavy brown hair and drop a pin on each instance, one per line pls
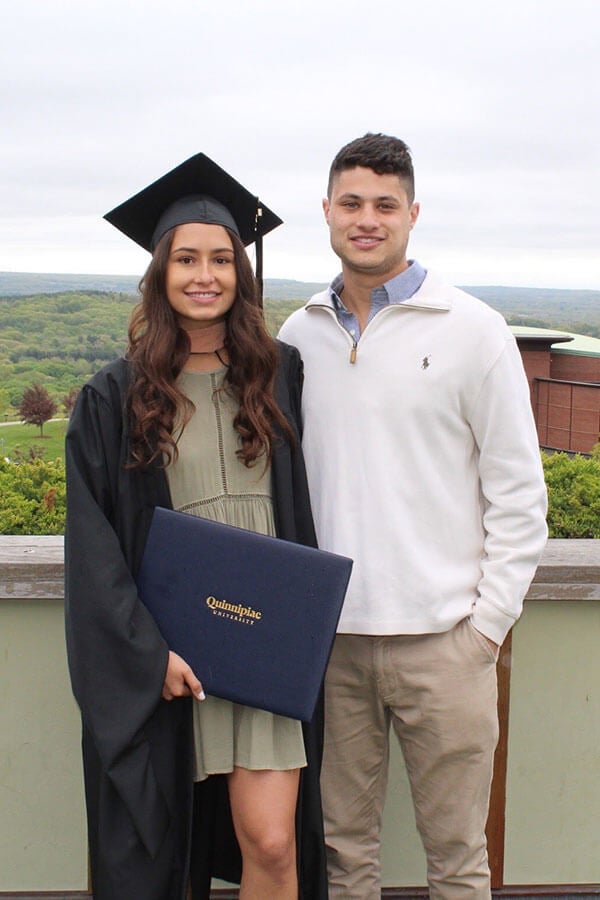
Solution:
(159, 348)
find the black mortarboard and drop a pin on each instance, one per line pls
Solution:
(198, 190)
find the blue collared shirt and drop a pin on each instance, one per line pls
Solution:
(396, 290)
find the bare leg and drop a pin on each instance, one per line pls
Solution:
(263, 805)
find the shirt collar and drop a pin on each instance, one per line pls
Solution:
(397, 289)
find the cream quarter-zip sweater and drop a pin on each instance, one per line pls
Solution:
(423, 461)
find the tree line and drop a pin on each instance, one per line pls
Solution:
(60, 340)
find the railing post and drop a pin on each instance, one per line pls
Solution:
(497, 818)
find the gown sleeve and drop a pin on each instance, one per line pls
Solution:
(295, 523)
(292, 503)
(117, 657)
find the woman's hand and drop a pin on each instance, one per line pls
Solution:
(180, 681)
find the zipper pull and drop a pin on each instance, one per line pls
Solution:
(353, 353)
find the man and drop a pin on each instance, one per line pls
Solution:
(424, 467)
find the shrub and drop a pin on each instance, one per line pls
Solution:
(573, 495)
(32, 497)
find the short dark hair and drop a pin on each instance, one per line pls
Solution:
(384, 154)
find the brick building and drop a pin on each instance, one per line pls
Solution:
(563, 370)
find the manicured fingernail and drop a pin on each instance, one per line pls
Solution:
(201, 695)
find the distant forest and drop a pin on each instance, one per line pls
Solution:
(58, 330)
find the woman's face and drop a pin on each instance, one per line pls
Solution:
(201, 277)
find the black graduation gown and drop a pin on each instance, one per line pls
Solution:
(137, 748)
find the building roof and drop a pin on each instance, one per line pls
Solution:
(567, 341)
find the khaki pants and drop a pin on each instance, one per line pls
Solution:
(439, 693)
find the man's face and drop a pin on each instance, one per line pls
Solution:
(370, 219)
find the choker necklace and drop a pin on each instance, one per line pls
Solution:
(205, 352)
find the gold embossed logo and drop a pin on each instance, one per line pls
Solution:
(234, 611)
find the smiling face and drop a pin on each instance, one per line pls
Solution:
(370, 219)
(201, 276)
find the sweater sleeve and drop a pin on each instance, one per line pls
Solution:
(117, 657)
(513, 494)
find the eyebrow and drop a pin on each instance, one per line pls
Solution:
(350, 196)
(195, 250)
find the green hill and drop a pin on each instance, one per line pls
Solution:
(579, 310)
(15, 284)
(20, 284)
(58, 340)
(61, 339)
(62, 333)
(572, 310)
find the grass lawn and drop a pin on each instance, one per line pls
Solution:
(22, 437)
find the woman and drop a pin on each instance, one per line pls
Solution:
(202, 415)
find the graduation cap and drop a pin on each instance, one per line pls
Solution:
(198, 190)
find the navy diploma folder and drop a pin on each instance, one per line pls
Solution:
(254, 616)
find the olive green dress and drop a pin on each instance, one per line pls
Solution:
(209, 480)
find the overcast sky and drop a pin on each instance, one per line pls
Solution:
(499, 102)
